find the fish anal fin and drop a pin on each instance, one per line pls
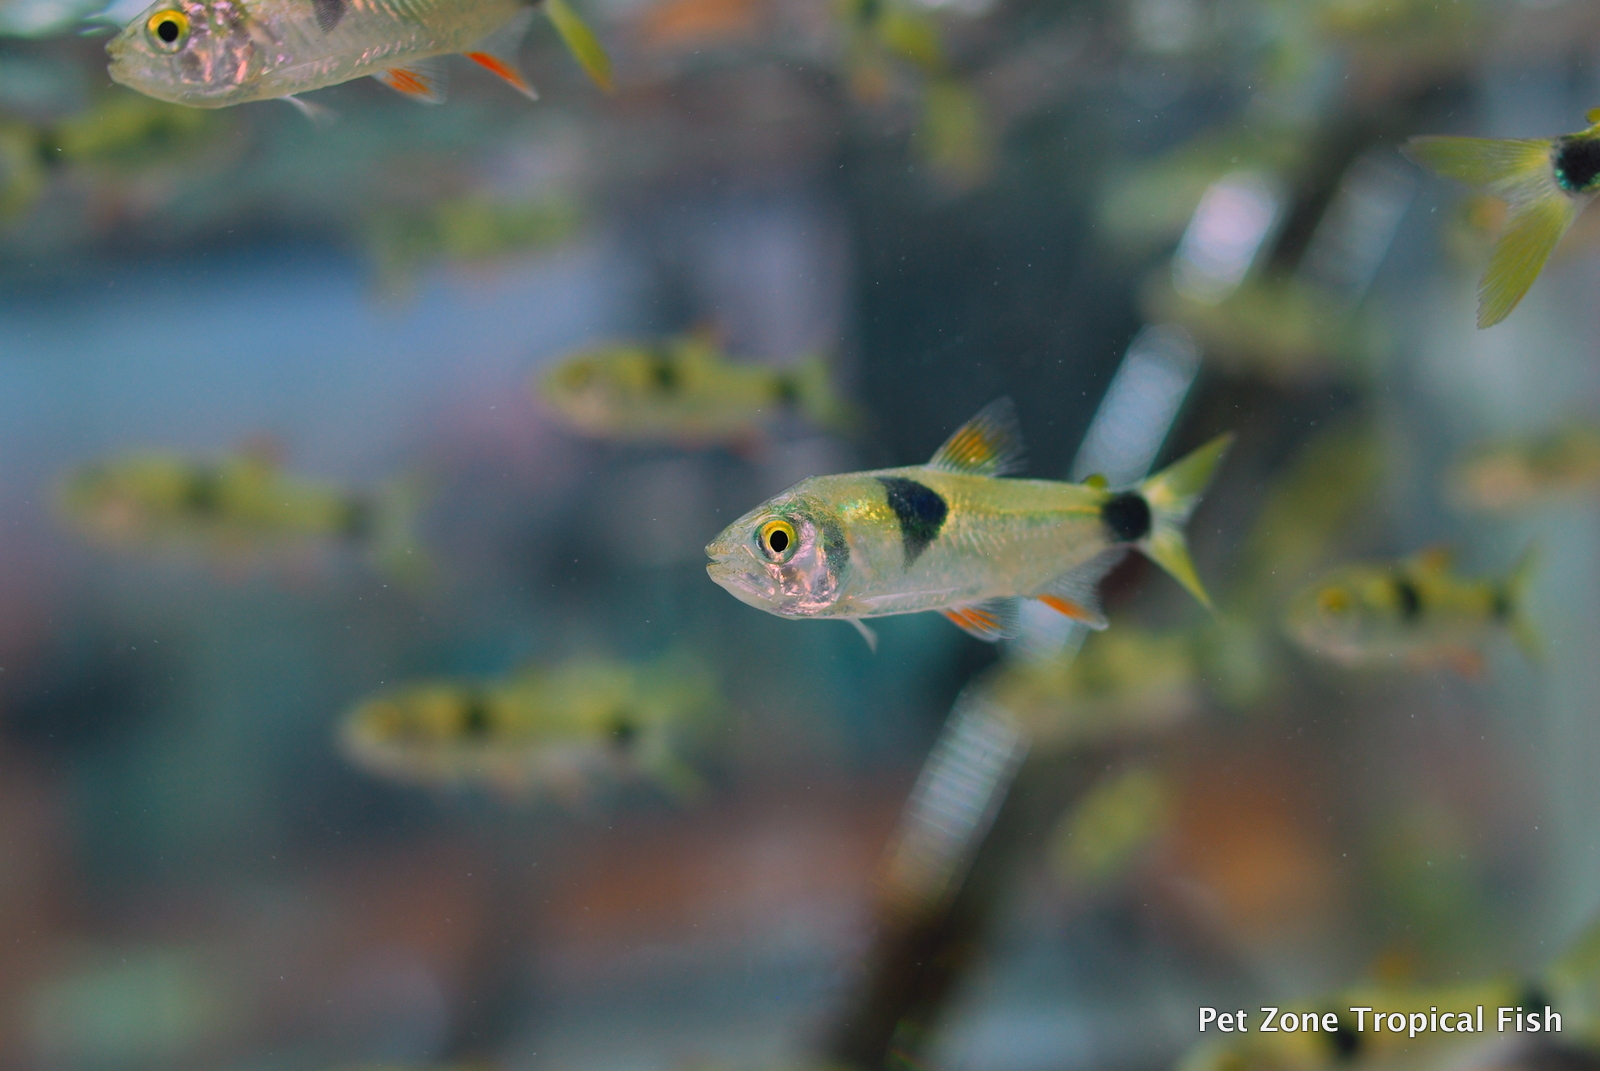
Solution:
(990, 621)
(1075, 593)
(990, 444)
(421, 80)
(497, 53)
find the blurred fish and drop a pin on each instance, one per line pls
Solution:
(1275, 328)
(215, 53)
(1414, 612)
(1545, 183)
(1510, 476)
(1099, 838)
(686, 391)
(234, 505)
(22, 177)
(560, 727)
(465, 230)
(950, 536)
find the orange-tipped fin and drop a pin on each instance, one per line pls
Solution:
(497, 53)
(422, 81)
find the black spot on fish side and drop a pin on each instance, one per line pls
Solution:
(475, 720)
(202, 494)
(663, 372)
(1410, 600)
(919, 509)
(358, 519)
(786, 391)
(1346, 1042)
(623, 732)
(1578, 163)
(1501, 607)
(1127, 517)
(328, 13)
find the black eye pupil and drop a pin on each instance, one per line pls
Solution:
(167, 31)
(778, 541)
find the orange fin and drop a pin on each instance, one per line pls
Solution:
(1075, 593)
(996, 619)
(990, 444)
(497, 53)
(1079, 613)
(422, 80)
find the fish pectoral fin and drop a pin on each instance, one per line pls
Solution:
(990, 444)
(497, 53)
(317, 113)
(866, 633)
(421, 80)
(990, 621)
(1075, 593)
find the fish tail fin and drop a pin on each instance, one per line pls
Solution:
(1171, 495)
(1514, 600)
(393, 536)
(581, 42)
(1522, 173)
(810, 384)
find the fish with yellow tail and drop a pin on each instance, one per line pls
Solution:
(1415, 613)
(953, 537)
(1545, 183)
(686, 391)
(1519, 474)
(561, 728)
(216, 53)
(234, 505)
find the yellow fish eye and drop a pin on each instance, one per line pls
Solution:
(1334, 600)
(777, 539)
(168, 29)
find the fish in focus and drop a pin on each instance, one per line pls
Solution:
(1510, 476)
(953, 537)
(1415, 612)
(1545, 183)
(216, 53)
(233, 505)
(686, 391)
(563, 727)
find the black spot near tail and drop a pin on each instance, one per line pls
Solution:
(1578, 164)
(1408, 598)
(624, 731)
(1127, 517)
(919, 509)
(1501, 607)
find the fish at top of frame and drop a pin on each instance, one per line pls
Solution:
(215, 53)
(952, 536)
(1545, 183)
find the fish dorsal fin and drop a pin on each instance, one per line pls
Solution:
(497, 53)
(990, 621)
(422, 80)
(1432, 561)
(580, 41)
(1098, 481)
(990, 444)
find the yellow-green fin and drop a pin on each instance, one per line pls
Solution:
(1172, 494)
(581, 42)
(1516, 596)
(1531, 232)
(990, 444)
(1501, 166)
(1592, 116)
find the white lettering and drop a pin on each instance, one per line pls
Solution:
(1267, 1027)
(1207, 1015)
(1361, 1018)
(1500, 1020)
